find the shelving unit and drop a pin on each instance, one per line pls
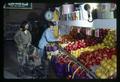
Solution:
(105, 23)
(97, 23)
(79, 23)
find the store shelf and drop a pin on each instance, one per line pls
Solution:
(105, 23)
(78, 23)
(79, 63)
(97, 23)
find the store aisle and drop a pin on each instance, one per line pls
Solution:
(10, 61)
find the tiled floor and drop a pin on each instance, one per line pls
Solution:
(11, 64)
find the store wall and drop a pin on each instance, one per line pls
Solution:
(18, 15)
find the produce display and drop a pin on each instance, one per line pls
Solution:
(103, 55)
(91, 51)
(90, 44)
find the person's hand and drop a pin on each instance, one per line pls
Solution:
(20, 47)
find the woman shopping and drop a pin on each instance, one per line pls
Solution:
(27, 53)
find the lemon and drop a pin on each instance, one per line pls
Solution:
(104, 65)
(111, 73)
(108, 66)
(103, 76)
(114, 64)
(112, 69)
(98, 73)
(109, 61)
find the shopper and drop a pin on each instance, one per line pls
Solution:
(47, 37)
(25, 49)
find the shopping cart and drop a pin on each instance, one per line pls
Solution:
(30, 64)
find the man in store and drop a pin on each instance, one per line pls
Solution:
(47, 37)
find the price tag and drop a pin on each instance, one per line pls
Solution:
(78, 30)
(71, 28)
(97, 33)
(89, 32)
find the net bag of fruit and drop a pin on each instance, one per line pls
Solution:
(60, 66)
